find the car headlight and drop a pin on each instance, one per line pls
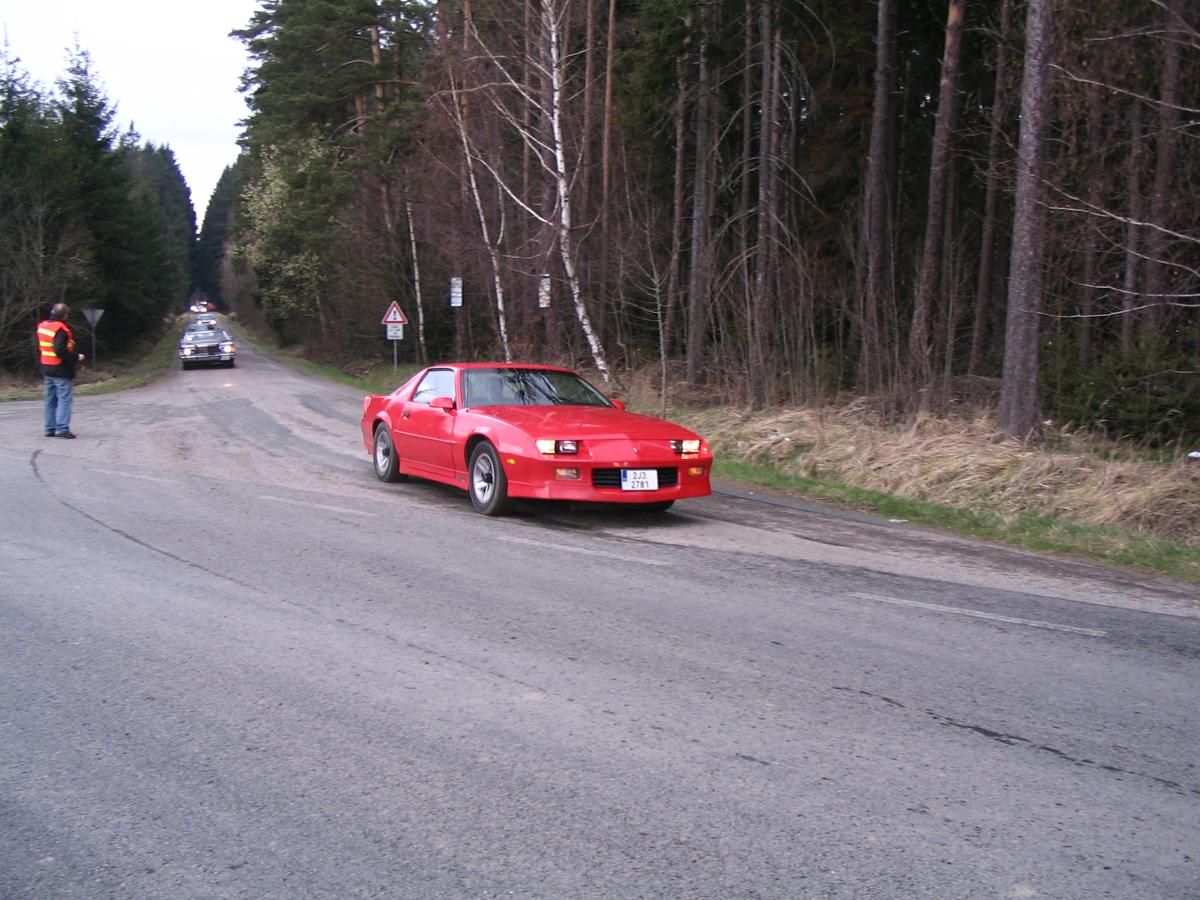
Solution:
(188, 351)
(688, 446)
(227, 347)
(557, 448)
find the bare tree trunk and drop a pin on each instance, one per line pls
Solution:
(606, 148)
(1091, 253)
(462, 319)
(677, 208)
(606, 130)
(948, 333)
(751, 101)
(919, 349)
(701, 262)
(589, 113)
(762, 310)
(872, 356)
(1018, 414)
(1166, 149)
(984, 317)
(1133, 231)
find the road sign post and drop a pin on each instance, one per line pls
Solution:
(394, 321)
(460, 320)
(93, 314)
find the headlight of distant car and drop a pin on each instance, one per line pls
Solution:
(557, 448)
(227, 347)
(188, 351)
(689, 446)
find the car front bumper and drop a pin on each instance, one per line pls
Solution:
(209, 358)
(568, 478)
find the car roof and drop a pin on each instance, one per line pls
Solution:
(467, 366)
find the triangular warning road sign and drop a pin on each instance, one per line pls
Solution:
(394, 315)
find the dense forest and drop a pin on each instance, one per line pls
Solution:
(88, 215)
(914, 204)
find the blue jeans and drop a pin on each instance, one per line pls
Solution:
(59, 398)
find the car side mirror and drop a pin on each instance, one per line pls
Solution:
(444, 403)
(619, 404)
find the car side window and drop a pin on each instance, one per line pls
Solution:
(436, 383)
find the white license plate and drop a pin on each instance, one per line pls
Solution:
(639, 479)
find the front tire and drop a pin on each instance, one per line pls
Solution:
(487, 484)
(387, 461)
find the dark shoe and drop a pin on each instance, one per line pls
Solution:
(70, 435)
(51, 434)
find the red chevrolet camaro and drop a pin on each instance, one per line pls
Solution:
(503, 432)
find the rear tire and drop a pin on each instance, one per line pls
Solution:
(486, 482)
(384, 456)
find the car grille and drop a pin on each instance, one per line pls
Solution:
(611, 478)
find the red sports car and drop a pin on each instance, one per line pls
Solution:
(507, 431)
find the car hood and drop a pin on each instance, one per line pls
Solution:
(586, 423)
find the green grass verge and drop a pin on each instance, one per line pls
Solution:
(1041, 533)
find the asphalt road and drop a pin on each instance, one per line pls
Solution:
(233, 664)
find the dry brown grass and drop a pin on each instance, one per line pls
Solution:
(962, 463)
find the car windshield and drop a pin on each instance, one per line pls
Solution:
(205, 336)
(528, 387)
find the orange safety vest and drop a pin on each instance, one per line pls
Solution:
(46, 331)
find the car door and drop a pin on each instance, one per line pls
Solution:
(425, 434)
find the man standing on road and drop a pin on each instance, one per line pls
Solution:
(58, 356)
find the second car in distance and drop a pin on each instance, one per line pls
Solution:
(207, 346)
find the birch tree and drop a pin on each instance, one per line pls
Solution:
(537, 118)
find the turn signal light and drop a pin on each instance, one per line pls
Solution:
(568, 474)
(695, 471)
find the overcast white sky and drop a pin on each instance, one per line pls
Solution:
(168, 66)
